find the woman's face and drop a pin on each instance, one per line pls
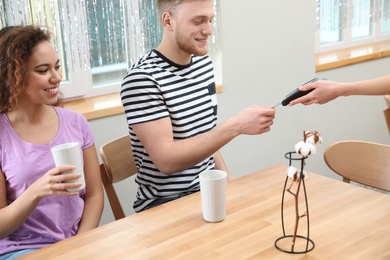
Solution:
(43, 74)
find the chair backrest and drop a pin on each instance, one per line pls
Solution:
(387, 99)
(362, 162)
(386, 112)
(118, 164)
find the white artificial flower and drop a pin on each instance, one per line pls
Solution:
(305, 149)
(294, 173)
(313, 137)
(291, 172)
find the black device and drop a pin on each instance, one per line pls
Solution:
(298, 93)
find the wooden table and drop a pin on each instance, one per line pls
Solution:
(346, 222)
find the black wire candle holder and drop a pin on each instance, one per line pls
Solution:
(304, 241)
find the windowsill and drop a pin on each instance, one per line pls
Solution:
(340, 58)
(102, 106)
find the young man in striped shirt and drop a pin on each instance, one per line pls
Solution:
(170, 103)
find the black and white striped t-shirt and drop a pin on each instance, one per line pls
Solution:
(155, 88)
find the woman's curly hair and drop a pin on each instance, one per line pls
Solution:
(16, 45)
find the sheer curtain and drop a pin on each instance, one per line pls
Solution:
(71, 39)
(96, 39)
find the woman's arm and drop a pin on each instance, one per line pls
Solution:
(94, 197)
(325, 91)
(12, 216)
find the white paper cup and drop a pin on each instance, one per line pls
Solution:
(213, 194)
(70, 154)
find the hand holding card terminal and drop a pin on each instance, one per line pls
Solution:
(298, 93)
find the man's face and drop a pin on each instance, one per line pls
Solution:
(192, 26)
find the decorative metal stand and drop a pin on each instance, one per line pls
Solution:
(288, 243)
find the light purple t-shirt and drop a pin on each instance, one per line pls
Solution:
(56, 217)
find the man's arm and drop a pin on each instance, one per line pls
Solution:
(172, 156)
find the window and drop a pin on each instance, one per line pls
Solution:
(347, 23)
(95, 40)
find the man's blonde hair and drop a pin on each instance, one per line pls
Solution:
(167, 6)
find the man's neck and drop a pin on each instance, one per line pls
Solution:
(173, 54)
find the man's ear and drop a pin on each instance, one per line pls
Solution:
(167, 21)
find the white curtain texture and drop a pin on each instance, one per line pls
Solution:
(94, 33)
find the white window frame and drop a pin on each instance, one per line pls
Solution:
(347, 41)
(79, 82)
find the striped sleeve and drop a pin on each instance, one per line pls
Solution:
(141, 98)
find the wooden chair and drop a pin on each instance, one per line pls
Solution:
(118, 164)
(386, 112)
(362, 162)
(387, 99)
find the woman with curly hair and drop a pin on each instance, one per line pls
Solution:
(36, 209)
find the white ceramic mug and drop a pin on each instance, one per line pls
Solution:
(213, 194)
(70, 154)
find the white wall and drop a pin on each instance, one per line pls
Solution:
(268, 50)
